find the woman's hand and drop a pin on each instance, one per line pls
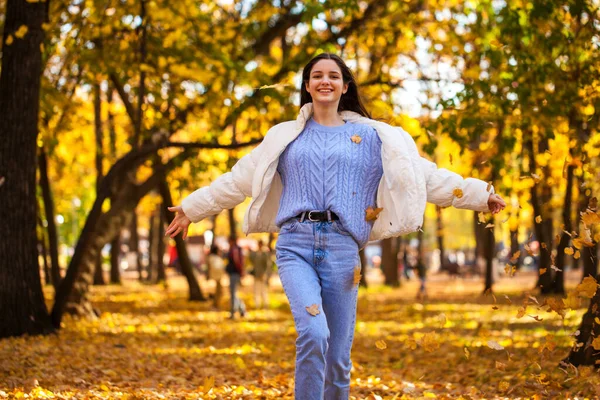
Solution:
(180, 223)
(496, 203)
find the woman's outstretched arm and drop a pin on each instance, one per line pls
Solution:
(446, 188)
(227, 191)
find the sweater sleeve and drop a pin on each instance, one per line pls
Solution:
(227, 191)
(446, 188)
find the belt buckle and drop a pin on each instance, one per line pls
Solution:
(310, 217)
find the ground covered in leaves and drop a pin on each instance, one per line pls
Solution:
(151, 343)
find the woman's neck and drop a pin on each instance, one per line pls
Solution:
(327, 115)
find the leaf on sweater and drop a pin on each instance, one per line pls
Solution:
(313, 310)
(356, 139)
(372, 213)
(357, 275)
(458, 193)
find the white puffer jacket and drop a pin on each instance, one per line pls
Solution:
(408, 182)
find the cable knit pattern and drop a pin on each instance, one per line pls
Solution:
(323, 169)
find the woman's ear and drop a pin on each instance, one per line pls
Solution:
(345, 88)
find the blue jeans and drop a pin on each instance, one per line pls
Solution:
(316, 262)
(237, 304)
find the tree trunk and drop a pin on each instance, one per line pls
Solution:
(22, 307)
(589, 255)
(161, 275)
(389, 263)
(489, 252)
(558, 285)
(545, 279)
(134, 245)
(514, 245)
(115, 267)
(50, 218)
(98, 273)
(152, 250)
(43, 250)
(440, 237)
(582, 353)
(363, 263)
(184, 260)
(232, 224)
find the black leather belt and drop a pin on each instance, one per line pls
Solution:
(318, 216)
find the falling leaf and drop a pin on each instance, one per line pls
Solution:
(572, 301)
(430, 133)
(489, 186)
(381, 345)
(593, 204)
(543, 271)
(589, 218)
(450, 158)
(596, 343)
(508, 299)
(495, 308)
(569, 250)
(532, 298)
(521, 312)
(557, 306)
(356, 139)
(209, 382)
(372, 213)
(2, 180)
(581, 242)
(313, 310)
(587, 287)
(276, 85)
(481, 218)
(577, 255)
(544, 246)
(537, 318)
(458, 193)
(9, 40)
(489, 226)
(538, 219)
(555, 268)
(21, 32)
(357, 275)
(467, 353)
(528, 249)
(515, 257)
(494, 345)
(536, 178)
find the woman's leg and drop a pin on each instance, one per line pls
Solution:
(339, 292)
(303, 290)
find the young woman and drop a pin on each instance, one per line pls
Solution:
(329, 182)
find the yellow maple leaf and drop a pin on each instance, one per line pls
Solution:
(458, 193)
(577, 255)
(580, 242)
(489, 186)
(596, 343)
(481, 218)
(313, 310)
(381, 345)
(356, 139)
(357, 275)
(569, 250)
(209, 382)
(538, 219)
(489, 226)
(556, 305)
(543, 271)
(9, 40)
(21, 32)
(587, 287)
(521, 312)
(372, 213)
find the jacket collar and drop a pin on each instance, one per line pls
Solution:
(307, 111)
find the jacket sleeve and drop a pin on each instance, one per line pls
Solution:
(227, 191)
(446, 188)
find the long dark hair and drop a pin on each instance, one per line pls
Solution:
(350, 101)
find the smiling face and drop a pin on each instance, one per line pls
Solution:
(326, 84)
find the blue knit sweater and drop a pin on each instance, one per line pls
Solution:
(324, 169)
